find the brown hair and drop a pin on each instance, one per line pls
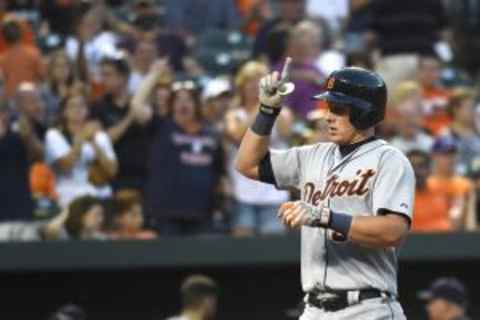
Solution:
(195, 288)
(77, 209)
(456, 98)
(125, 199)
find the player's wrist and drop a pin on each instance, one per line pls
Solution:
(329, 219)
(265, 120)
(269, 110)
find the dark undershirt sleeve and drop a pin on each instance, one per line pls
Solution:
(385, 212)
(265, 171)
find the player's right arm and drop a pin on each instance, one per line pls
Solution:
(254, 147)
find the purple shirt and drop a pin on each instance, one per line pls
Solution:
(300, 101)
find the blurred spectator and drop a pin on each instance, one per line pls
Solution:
(59, 82)
(303, 43)
(27, 35)
(128, 217)
(85, 219)
(198, 16)
(17, 149)
(80, 153)
(256, 202)
(254, 13)
(162, 93)
(69, 312)
(431, 208)
(20, 62)
(334, 12)
(31, 115)
(317, 123)
(60, 15)
(398, 46)
(446, 299)
(434, 96)
(356, 27)
(96, 43)
(186, 161)
(44, 194)
(144, 54)
(327, 57)
(130, 136)
(461, 108)
(289, 13)
(465, 29)
(18, 231)
(217, 100)
(199, 296)
(459, 189)
(407, 119)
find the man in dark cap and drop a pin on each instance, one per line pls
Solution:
(446, 299)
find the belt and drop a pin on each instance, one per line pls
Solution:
(337, 300)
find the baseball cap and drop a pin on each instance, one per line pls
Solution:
(450, 289)
(215, 88)
(444, 145)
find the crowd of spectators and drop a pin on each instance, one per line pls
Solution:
(121, 119)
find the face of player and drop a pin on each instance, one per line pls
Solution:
(340, 130)
(132, 219)
(210, 307)
(438, 309)
(93, 219)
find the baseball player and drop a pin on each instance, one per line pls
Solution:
(356, 196)
(199, 298)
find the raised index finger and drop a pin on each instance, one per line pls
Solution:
(286, 71)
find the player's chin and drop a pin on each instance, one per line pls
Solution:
(335, 137)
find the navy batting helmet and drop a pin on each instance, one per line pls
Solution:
(364, 91)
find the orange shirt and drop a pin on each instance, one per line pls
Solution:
(435, 102)
(21, 63)
(431, 209)
(430, 212)
(453, 187)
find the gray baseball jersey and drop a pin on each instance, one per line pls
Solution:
(372, 178)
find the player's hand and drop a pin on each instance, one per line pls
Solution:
(274, 86)
(295, 214)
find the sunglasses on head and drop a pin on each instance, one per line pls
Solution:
(338, 109)
(183, 85)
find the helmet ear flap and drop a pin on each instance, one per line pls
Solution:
(363, 119)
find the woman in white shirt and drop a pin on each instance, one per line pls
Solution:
(256, 202)
(80, 153)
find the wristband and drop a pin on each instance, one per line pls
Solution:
(269, 110)
(265, 120)
(340, 222)
(329, 219)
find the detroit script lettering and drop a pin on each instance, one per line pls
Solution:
(338, 188)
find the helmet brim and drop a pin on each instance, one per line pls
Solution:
(340, 98)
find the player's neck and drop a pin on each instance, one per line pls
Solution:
(362, 136)
(349, 148)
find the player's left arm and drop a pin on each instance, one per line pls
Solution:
(384, 231)
(388, 224)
